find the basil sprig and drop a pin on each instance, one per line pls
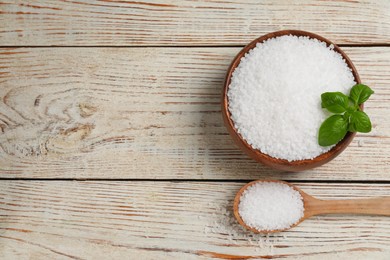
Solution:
(349, 116)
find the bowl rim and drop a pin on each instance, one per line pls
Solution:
(282, 164)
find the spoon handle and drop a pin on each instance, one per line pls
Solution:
(375, 206)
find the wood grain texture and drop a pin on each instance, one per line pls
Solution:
(128, 113)
(165, 220)
(208, 22)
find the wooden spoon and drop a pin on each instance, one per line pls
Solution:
(314, 206)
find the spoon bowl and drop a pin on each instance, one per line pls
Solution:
(313, 206)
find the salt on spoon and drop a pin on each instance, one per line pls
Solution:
(288, 206)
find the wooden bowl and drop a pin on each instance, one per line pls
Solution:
(263, 158)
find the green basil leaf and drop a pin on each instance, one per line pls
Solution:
(359, 122)
(351, 107)
(332, 130)
(360, 93)
(335, 102)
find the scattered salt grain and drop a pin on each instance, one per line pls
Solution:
(274, 95)
(360, 143)
(225, 226)
(270, 206)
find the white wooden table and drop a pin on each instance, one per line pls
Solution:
(112, 144)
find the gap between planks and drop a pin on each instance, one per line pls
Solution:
(370, 45)
(195, 180)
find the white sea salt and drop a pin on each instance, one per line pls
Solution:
(275, 95)
(270, 206)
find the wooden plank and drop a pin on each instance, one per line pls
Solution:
(207, 22)
(151, 113)
(166, 220)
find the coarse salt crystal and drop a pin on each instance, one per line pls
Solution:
(274, 95)
(270, 206)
